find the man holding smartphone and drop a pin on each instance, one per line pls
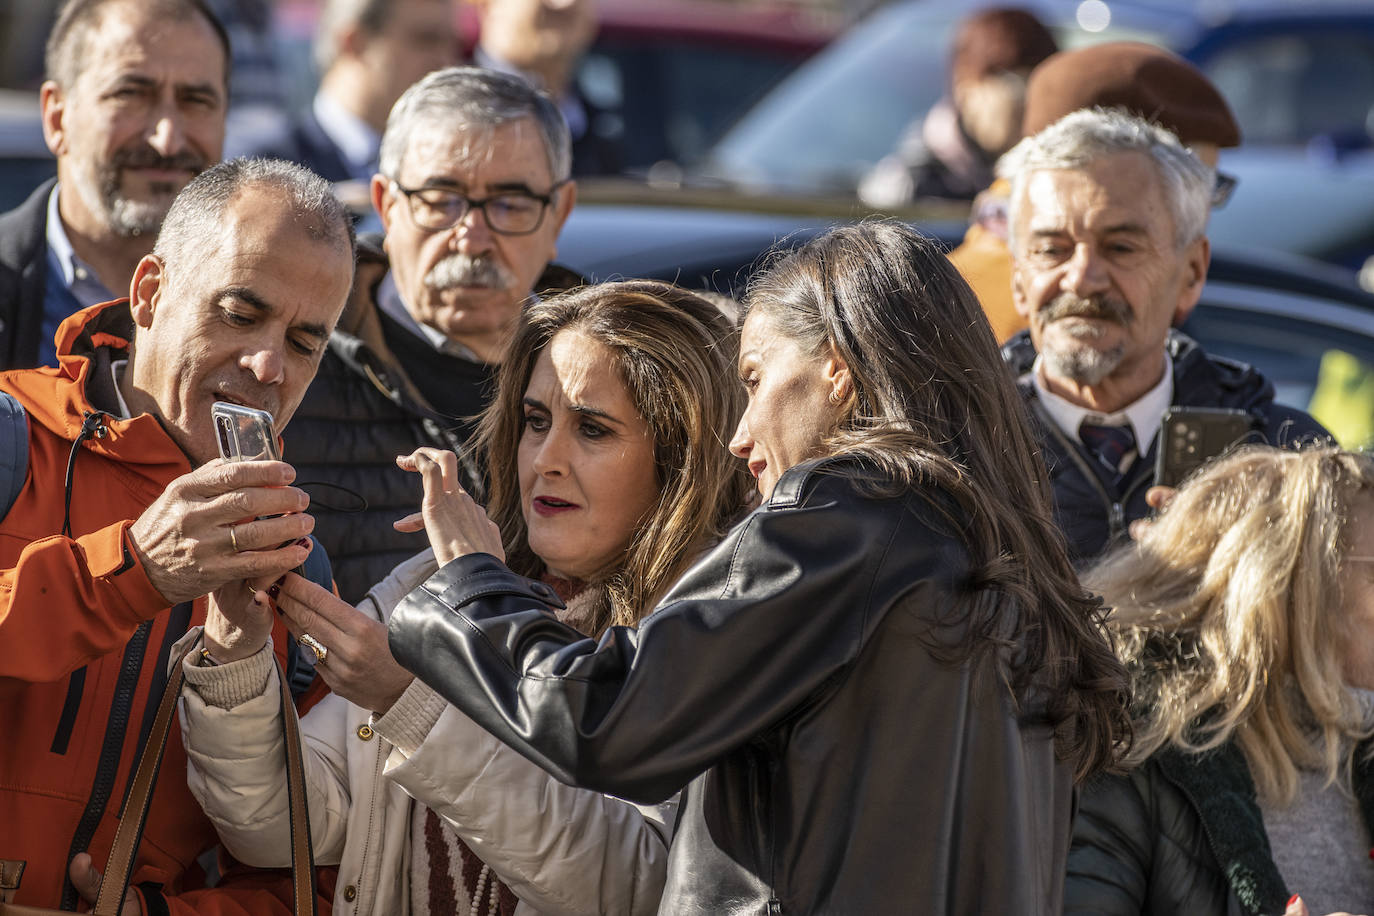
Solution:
(1109, 252)
(127, 520)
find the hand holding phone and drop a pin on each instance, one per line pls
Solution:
(245, 434)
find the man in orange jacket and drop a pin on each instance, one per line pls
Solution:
(127, 520)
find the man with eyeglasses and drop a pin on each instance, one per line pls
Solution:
(472, 192)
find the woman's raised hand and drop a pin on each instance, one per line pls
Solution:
(357, 663)
(456, 525)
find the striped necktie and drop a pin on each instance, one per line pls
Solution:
(1110, 445)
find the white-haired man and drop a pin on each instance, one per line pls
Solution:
(1109, 252)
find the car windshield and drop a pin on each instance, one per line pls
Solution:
(830, 121)
(1289, 85)
(838, 115)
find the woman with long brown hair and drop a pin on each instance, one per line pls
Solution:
(881, 685)
(609, 477)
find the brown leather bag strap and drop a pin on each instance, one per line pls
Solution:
(302, 854)
(115, 882)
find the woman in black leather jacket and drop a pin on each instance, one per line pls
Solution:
(879, 687)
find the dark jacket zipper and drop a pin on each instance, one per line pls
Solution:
(108, 767)
(76, 687)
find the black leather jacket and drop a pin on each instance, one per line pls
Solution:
(1182, 833)
(835, 765)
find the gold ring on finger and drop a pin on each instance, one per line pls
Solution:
(314, 645)
(234, 540)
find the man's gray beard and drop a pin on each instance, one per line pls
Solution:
(126, 218)
(132, 218)
(459, 270)
(1083, 365)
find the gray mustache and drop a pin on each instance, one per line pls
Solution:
(458, 270)
(145, 157)
(1106, 308)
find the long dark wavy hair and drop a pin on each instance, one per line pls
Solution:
(675, 351)
(932, 406)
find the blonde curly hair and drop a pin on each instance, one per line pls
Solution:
(1229, 613)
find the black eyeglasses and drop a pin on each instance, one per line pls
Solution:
(1223, 189)
(507, 213)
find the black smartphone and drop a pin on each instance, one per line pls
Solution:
(1192, 436)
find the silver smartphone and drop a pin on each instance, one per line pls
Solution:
(244, 433)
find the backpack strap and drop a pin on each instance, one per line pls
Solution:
(317, 567)
(14, 451)
(300, 671)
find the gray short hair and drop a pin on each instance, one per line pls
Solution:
(339, 15)
(462, 98)
(195, 222)
(1083, 137)
(67, 48)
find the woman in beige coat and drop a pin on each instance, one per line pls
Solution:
(608, 477)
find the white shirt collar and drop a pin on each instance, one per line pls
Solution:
(355, 138)
(58, 242)
(1144, 415)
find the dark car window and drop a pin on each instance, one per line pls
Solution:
(681, 97)
(1325, 370)
(1289, 88)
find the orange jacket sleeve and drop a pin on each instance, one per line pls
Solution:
(78, 599)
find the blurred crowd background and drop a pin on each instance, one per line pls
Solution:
(705, 130)
(804, 97)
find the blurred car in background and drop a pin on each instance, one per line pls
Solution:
(1308, 326)
(1300, 77)
(826, 125)
(675, 74)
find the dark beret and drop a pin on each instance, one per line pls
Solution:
(1143, 79)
